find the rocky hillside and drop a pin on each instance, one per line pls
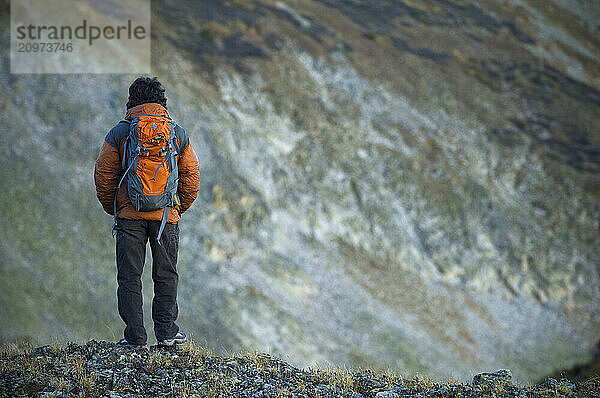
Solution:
(404, 184)
(103, 369)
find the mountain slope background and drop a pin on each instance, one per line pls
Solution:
(383, 184)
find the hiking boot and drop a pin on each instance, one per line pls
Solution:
(179, 338)
(124, 343)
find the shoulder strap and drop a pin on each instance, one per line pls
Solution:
(181, 134)
(115, 199)
(122, 178)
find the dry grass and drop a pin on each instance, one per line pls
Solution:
(194, 371)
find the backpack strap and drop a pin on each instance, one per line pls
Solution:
(114, 231)
(178, 152)
(173, 148)
(125, 145)
(182, 136)
(115, 200)
(163, 222)
(173, 152)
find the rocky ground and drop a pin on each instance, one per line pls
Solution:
(398, 183)
(104, 369)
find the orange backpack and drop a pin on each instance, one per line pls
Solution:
(150, 162)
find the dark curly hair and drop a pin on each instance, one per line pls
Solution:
(144, 90)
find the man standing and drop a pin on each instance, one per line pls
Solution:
(134, 228)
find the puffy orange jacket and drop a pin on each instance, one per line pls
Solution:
(108, 171)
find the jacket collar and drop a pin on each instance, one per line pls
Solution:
(151, 108)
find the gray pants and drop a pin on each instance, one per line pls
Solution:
(132, 237)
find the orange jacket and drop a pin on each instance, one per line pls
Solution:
(108, 172)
